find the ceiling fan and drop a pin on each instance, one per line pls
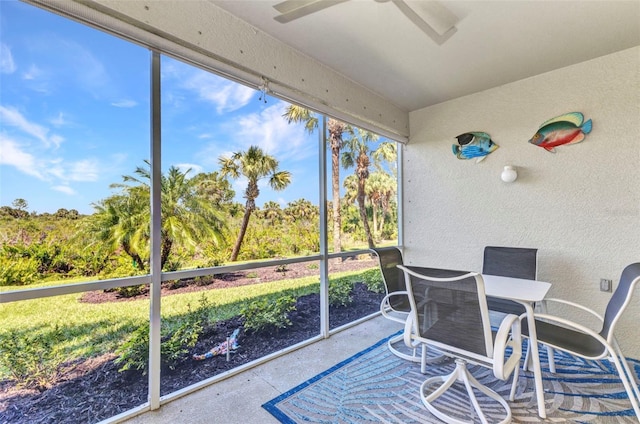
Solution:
(430, 16)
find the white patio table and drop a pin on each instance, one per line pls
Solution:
(525, 292)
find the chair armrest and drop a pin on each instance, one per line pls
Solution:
(508, 335)
(409, 332)
(575, 305)
(572, 325)
(385, 307)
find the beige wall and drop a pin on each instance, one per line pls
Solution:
(580, 206)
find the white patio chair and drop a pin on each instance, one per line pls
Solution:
(395, 305)
(456, 322)
(579, 340)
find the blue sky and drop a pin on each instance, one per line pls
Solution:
(74, 116)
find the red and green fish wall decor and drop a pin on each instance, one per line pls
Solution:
(473, 145)
(569, 128)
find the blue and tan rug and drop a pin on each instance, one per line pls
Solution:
(374, 386)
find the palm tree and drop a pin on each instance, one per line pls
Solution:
(388, 153)
(254, 165)
(187, 215)
(357, 154)
(214, 187)
(272, 211)
(120, 221)
(380, 189)
(302, 210)
(336, 129)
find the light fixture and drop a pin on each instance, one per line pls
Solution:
(509, 174)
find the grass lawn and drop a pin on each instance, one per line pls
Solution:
(90, 329)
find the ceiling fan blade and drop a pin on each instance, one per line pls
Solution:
(433, 18)
(294, 9)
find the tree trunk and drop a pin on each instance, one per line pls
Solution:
(136, 258)
(381, 223)
(165, 250)
(363, 213)
(243, 230)
(335, 141)
(376, 230)
(335, 188)
(249, 207)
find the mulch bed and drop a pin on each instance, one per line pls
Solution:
(93, 390)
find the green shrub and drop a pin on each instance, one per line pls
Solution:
(32, 359)
(130, 291)
(18, 271)
(134, 352)
(340, 292)
(265, 313)
(88, 264)
(171, 265)
(372, 278)
(179, 337)
(176, 346)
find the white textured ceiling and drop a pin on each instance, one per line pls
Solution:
(497, 42)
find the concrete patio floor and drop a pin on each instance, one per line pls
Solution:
(238, 399)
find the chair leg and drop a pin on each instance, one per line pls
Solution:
(460, 373)
(627, 378)
(409, 357)
(551, 359)
(413, 357)
(526, 366)
(527, 358)
(514, 383)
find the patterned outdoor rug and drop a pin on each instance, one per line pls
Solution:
(374, 386)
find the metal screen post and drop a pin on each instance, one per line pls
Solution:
(156, 266)
(324, 253)
(400, 195)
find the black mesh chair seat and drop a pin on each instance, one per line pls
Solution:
(578, 340)
(565, 338)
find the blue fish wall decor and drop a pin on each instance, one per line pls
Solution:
(473, 145)
(569, 128)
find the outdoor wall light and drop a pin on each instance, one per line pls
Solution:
(509, 174)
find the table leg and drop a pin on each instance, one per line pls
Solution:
(537, 369)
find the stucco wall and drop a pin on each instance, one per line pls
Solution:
(580, 206)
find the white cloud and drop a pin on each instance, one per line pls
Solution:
(32, 73)
(58, 121)
(88, 71)
(64, 189)
(11, 154)
(84, 170)
(226, 95)
(269, 130)
(125, 103)
(184, 167)
(12, 117)
(7, 65)
(119, 158)
(239, 186)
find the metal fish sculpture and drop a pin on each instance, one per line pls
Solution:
(473, 145)
(569, 128)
